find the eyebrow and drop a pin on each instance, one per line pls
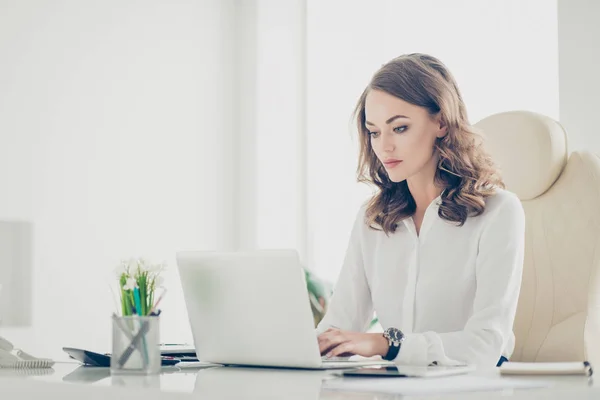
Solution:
(389, 121)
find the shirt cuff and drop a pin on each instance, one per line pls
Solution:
(422, 349)
(413, 351)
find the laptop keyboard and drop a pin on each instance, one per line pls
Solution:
(334, 359)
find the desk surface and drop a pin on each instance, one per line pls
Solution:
(72, 381)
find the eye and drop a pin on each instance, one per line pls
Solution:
(400, 129)
(373, 134)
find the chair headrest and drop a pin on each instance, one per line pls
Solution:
(530, 149)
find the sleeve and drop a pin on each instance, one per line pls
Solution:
(499, 267)
(350, 307)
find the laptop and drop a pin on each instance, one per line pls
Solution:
(252, 308)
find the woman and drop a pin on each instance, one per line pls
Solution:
(438, 251)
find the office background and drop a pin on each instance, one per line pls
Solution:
(140, 128)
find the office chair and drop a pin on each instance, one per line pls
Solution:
(558, 314)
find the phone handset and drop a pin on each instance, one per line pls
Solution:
(17, 358)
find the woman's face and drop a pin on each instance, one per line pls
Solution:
(402, 135)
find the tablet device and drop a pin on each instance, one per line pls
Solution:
(408, 371)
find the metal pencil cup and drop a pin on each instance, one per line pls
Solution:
(135, 345)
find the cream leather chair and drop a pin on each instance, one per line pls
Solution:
(558, 315)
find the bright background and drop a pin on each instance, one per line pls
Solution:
(141, 128)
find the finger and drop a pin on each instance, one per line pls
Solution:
(328, 332)
(326, 338)
(330, 348)
(326, 346)
(331, 341)
(345, 348)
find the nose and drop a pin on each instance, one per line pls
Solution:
(387, 142)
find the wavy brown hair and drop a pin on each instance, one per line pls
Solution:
(465, 171)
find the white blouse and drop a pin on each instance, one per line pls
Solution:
(451, 290)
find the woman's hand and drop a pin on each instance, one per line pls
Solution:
(335, 342)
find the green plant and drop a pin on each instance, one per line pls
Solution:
(319, 293)
(138, 281)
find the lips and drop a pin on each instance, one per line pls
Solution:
(391, 163)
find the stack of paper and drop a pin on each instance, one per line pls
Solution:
(417, 386)
(196, 364)
(546, 368)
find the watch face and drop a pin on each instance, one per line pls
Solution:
(395, 334)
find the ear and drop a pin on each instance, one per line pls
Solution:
(443, 128)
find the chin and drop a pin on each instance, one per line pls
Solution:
(397, 178)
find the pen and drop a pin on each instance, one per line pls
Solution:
(158, 301)
(138, 303)
(138, 306)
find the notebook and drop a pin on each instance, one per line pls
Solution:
(546, 368)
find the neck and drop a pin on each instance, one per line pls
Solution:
(422, 186)
(424, 195)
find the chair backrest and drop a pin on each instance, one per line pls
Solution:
(558, 315)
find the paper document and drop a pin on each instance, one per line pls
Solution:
(196, 364)
(417, 386)
(546, 368)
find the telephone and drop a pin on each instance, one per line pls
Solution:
(17, 358)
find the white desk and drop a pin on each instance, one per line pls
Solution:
(70, 381)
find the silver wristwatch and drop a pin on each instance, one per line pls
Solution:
(395, 337)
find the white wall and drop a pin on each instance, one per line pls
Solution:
(502, 53)
(579, 63)
(116, 130)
